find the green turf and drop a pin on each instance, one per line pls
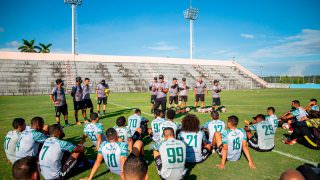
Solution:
(243, 103)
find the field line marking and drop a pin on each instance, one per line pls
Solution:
(275, 151)
(129, 108)
(295, 157)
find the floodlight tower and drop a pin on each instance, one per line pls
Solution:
(191, 14)
(74, 4)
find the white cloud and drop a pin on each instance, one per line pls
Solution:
(1, 29)
(8, 49)
(162, 46)
(305, 43)
(247, 36)
(13, 44)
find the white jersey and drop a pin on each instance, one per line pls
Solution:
(28, 143)
(193, 141)
(234, 138)
(273, 119)
(134, 122)
(111, 152)
(167, 124)
(123, 132)
(214, 126)
(265, 133)
(173, 156)
(92, 130)
(299, 113)
(51, 155)
(10, 142)
(155, 126)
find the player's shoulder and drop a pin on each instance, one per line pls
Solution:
(242, 130)
(103, 143)
(122, 145)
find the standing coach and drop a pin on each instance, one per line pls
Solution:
(162, 89)
(199, 90)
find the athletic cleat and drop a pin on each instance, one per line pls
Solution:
(292, 142)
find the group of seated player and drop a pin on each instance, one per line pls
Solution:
(174, 146)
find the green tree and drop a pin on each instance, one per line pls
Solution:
(44, 48)
(28, 46)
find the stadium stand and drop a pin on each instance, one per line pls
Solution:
(35, 73)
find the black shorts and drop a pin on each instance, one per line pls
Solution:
(199, 97)
(77, 105)
(87, 103)
(61, 110)
(173, 99)
(183, 98)
(153, 99)
(158, 163)
(253, 143)
(102, 100)
(216, 101)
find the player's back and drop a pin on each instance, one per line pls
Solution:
(134, 122)
(51, 155)
(173, 156)
(10, 143)
(92, 130)
(273, 119)
(167, 124)
(214, 126)
(123, 132)
(193, 141)
(233, 138)
(28, 143)
(155, 126)
(265, 134)
(111, 152)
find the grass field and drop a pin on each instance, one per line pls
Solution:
(243, 103)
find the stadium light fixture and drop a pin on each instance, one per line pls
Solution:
(74, 4)
(191, 14)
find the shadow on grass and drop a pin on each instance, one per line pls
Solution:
(115, 113)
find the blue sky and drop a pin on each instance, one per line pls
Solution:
(281, 36)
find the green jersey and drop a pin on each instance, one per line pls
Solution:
(265, 133)
(194, 142)
(234, 139)
(173, 156)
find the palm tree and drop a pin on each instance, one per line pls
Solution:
(44, 48)
(28, 46)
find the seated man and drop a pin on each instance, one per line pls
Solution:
(313, 105)
(297, 113)
(263, 138)
(306, 132)
(169, 156)
(198, 148)
(169, 123)
(137, 125)
(114, 153)
(123, 131)
(30, 139)
(155, 125)
(135, 168)
(214, 125)
(232, 142)
(94, 130)
(26, 168)
(272, 118)
(53, 149)
(12, 137)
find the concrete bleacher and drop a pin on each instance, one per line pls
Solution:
(35, 73)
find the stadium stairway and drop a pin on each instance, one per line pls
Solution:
(35, 73)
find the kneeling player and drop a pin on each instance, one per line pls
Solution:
(123, 131)
(198, 148)
(263, 138)
(94, 130)
(12, 137)
(169, 123)
(155, 125)
(232, 142)
(114, 153)
(169, 156)
(52, 152)
(138, 125)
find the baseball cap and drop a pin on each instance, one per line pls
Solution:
(58, 81)
(78, 79)
(161, 76)
(174, 78)
(184, 79)
(103, 81)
